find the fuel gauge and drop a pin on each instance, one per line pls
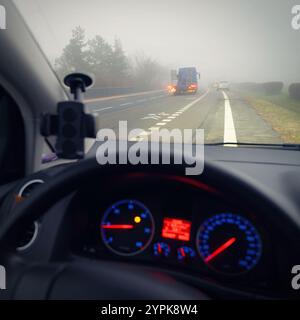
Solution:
(185, 253)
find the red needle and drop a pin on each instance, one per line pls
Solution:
(182, 252)
(117, 226)
(223, 247)
(159, 248)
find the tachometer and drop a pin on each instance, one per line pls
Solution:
(229, 243)
(127, 227)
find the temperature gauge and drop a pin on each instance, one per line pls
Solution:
(185, 253)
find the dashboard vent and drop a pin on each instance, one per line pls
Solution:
(28, 187)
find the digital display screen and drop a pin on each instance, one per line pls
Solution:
(176, 229)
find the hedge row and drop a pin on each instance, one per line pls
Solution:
(272, 88)
(268, 88)
(294, 91)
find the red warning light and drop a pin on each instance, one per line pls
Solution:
(176, 229)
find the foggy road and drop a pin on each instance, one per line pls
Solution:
(224, 116)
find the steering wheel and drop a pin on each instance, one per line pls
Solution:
(87, 279)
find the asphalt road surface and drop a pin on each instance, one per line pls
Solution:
(224, 116)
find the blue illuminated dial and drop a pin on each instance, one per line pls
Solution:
(127, 227)
(229, 243)
(185, 253)
(161, 249)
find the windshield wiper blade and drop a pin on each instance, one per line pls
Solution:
(252, 144)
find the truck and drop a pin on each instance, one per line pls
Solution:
(187, 81)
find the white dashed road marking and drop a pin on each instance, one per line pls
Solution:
(150, 116)
(125, 104)
(163, 122)
(102, 109)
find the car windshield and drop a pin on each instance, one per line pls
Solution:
(229, 67)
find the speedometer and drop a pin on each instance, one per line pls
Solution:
(127, 227)
(229, 243)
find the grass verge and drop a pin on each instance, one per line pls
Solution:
(281, 112)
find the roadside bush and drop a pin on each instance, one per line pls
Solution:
(272, 88)
(294, 91)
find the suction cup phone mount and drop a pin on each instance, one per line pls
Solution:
(78, 82)
(71, 125)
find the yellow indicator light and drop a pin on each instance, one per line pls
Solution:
(137, 219)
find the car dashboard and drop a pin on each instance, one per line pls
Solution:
(175, 225)
(178, 225)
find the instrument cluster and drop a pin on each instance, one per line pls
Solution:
(226, 242)
(178, 229)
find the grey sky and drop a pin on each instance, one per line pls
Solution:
(235, 40)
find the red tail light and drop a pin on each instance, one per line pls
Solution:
(193, 86)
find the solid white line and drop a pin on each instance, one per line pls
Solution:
(98, 110)
(229, 128)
